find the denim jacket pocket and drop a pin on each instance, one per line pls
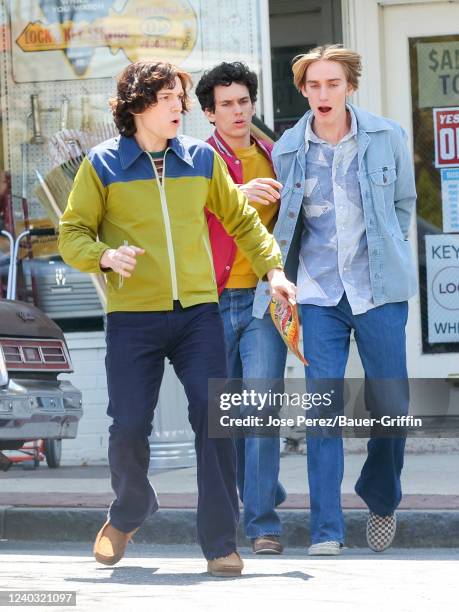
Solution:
(383, 176)
(382, 184)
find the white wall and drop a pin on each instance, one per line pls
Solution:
(87, 351)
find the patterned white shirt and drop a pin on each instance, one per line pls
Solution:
(334, 251)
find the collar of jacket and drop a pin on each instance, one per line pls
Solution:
(223, 148)
(130, 151)
(294, 138)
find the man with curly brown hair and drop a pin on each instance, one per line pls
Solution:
(136, 212)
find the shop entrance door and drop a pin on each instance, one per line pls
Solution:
(421, 74)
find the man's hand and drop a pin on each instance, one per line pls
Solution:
(281, 288)
(262, 190)
(122, 260)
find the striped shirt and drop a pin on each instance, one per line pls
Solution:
(158, 158)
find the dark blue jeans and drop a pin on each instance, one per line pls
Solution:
(380, 337)
(137, 344)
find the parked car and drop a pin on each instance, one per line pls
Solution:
(34, 403)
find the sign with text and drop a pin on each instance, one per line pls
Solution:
(56, 40)
(438, 73)
(450, 199)
(446, 128)
(442, 261)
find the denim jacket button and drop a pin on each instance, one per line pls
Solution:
(283, 242)
(298, 185)
(267, 292)
(291, 215)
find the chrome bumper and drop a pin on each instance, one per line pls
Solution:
(32, 409)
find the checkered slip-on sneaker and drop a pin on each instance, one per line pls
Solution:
(380, 531)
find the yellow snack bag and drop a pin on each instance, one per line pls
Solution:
(286, 320)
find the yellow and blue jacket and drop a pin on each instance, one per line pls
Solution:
(118, 198)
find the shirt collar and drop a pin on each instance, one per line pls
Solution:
(223, 147)
(130, 151)
(311, 136)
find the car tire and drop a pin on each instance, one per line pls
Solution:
(53, 453)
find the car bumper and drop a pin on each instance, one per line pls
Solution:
(31, 409)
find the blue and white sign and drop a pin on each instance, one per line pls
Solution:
(450, 199)
(442, 261)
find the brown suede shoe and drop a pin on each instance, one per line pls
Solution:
(110, 544)
(226, 567)
(267, 545)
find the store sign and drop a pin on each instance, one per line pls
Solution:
(438, 73)
(446, 128)
(450, 199)
(72, 33)
(442, 261)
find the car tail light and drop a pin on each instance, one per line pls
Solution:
(23, 354)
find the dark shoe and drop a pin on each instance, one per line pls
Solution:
(267, 545)
(226, 567)
(281, 495)
(380, 531)
(110, 544)
(5, 463)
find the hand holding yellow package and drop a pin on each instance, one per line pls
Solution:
(285, 318)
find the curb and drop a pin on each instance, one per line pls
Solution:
(416, 528)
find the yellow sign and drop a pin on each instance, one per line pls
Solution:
(142, 29)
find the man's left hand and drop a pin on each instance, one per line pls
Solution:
(281, 288)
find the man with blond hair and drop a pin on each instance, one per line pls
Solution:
(137, 212)
(348, 197)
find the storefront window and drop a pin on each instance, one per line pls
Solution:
(296, 27)
(58, 63)
(435, 100)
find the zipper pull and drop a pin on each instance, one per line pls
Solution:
(121, 278)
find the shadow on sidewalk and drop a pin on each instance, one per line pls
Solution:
(146, 576)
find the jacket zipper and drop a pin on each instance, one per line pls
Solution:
(211, 259)
(167, 224)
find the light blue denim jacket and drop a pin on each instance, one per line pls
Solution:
(388, 191)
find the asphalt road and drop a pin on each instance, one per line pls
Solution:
(169, 578)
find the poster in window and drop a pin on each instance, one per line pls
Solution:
(442, 261)
(54, 40)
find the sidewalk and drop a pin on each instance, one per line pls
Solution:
(69, 503)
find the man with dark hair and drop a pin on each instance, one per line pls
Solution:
(136, 212)
(227, 94)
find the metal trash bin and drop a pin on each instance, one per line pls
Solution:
(172, 439)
